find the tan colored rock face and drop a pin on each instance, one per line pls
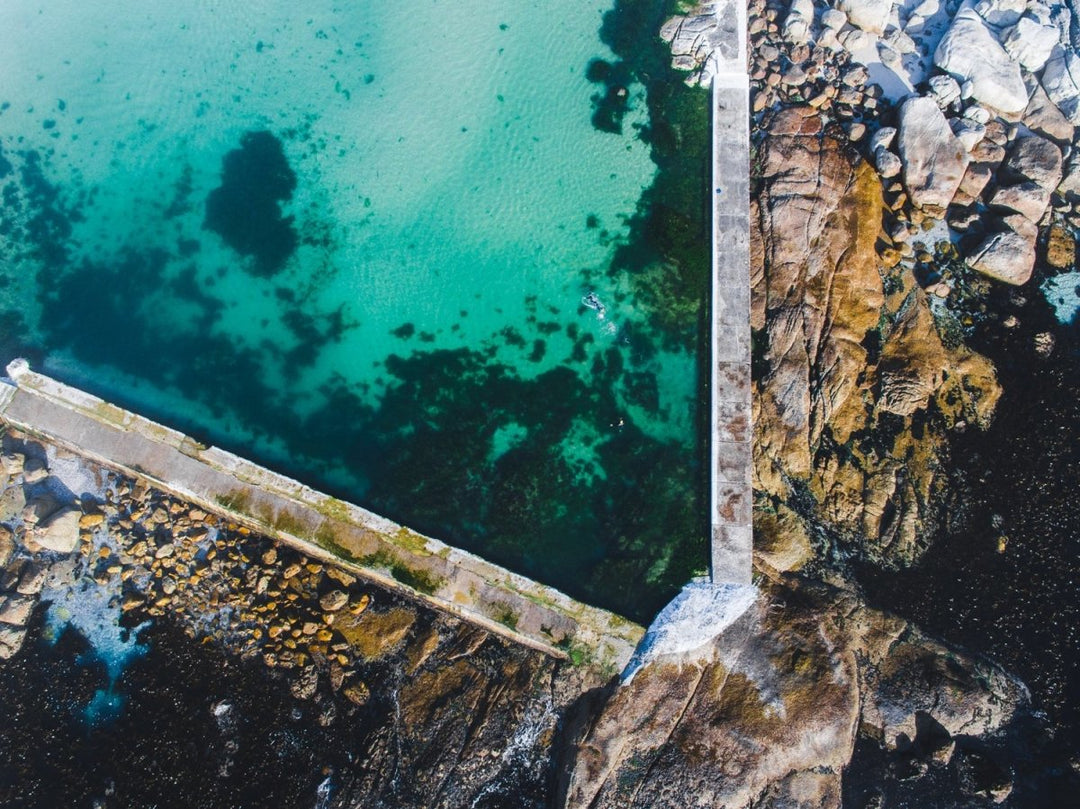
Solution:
(842, 361)
(769, 716)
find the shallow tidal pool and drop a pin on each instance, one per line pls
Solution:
(392, 250)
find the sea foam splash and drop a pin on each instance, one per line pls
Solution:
(92, 608)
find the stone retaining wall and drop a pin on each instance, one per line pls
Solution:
(320, 526)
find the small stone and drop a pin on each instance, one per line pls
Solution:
(35, 470)
(91, 520)
(883, 138)
(361, 604)
(60, 533)
(13, 463)
(340, 576)
(130, 603)
(944, 90)
(7, 545)
(11, 640)
(334, 601)
(794, 77)
(833, 18)
(32, 578)
(15, 610)
(887, 164)
(1060, 247)
(165, 551)
(357, 693)
(856, 132)
(1044, 344)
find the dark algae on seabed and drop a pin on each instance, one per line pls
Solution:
(246, 279)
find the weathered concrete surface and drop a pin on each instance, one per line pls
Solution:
(732, 457)
(321, 526)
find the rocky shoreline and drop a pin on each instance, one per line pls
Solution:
(904, 206)
(359, 657)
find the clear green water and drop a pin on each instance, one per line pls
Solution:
(354, 242)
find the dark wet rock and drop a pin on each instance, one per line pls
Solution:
(306, 684)
(35, 470)
(979, 775)
(770, 712)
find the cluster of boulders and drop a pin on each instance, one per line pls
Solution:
(161, 556)
(222, 583)
(39, 526)
(983, 138)
(786, 64)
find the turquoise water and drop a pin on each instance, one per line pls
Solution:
(371, 245)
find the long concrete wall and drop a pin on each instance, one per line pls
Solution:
(320, 526)
(731, 450)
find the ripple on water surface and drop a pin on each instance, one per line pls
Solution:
(371, 245)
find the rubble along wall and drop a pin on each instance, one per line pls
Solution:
(321, 526)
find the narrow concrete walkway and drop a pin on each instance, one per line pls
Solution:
(318, 525)
(731, 450)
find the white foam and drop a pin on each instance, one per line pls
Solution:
(1063, 293)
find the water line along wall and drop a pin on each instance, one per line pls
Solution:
(731, 495)
(319, 526)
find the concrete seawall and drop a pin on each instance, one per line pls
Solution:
(320, 526)
(731, 502)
